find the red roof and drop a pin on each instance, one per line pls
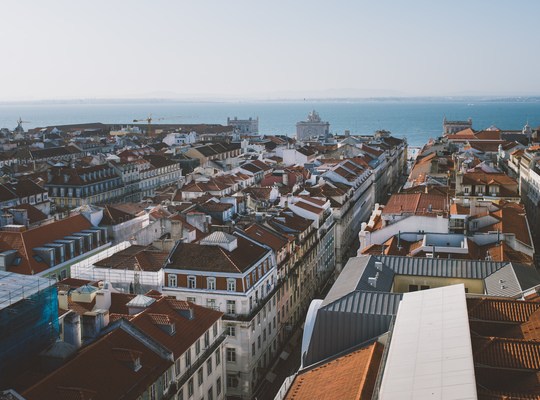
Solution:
(103, 370)
(416, 203)
(24, 242)
(351, 376)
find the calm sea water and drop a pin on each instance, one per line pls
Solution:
(418, 121)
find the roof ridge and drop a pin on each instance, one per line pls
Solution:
(229, 258)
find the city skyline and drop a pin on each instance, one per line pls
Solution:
(241, 50)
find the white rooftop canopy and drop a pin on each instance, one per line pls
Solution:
(430, 354)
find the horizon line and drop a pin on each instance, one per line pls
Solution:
(217, 99)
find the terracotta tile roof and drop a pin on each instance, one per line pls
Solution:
(351, 376)
(309, 207)
(485, 394)
(491, 145)
(74, 176)
(502, 310)
(166, 311)
(503, 252)
(315, 201)
(258, 193)
(498, 352)
(34, 214)
(73, 283)
(467, 133)
(483, 178)
(212, 206)
(263, 235)
(198, 257)
(510, 218)
(24, 242)
(287, 222)
(371, 150)
(114, 214)
(458, 209)
(111, 377)
(416, 203)
(488, 135)
(145, 258)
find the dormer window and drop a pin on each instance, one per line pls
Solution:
(173, 280)
(192, 282)
(211, 283)
(231, 285)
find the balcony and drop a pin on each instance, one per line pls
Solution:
(194, 367)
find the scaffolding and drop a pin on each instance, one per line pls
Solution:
(128, 280)
(28, 321)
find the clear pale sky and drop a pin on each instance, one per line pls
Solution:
(264, 49)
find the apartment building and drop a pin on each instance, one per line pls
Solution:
(238, 276)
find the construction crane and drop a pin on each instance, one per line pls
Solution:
(149, 120)
(19, 124)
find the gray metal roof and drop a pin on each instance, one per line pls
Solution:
(378, 303)
(355, 318)
(527, 276)
(511, 280)
(441, 267)
(355, 276)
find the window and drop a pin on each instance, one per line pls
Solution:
(424, 287)
(192, 282)
(191, 299)
(198, 347)
(215, 329)
(188, 358)
(264, 335)
(413, 288)
(153, 392)
(231, 307)
(211, 283)
(253, 348)
(247, 282)
(259, 341)
(231, 354)
(206, 339)
(231, 330)
(231, 285)
(180, 395)
(232, 381)
(200, 376)
(177, 366)
(218, 386)
(211, 303)
(209, 366)
(190, 387)
(210, 393)
(173, 280)
(217, 355)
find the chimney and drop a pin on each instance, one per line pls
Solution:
(285, 178)
(72, 329)
(103, 297)
(63, 300)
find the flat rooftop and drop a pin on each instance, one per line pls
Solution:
(15, 287)
(430, 354)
